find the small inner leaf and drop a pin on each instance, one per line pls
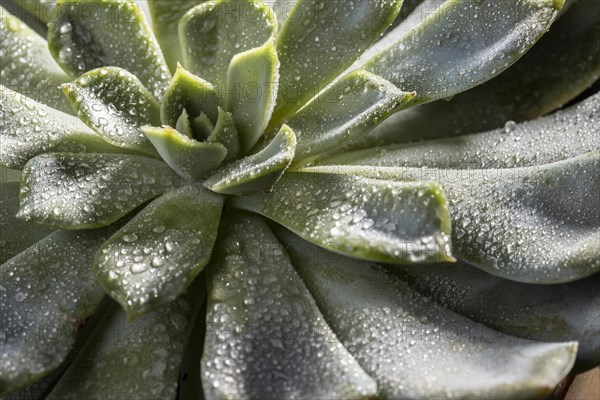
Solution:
(213, 32)
(114, 103)
(152, 259)
(81, 191)
(191, 159)
(203, 127)
(89, 34)
(371, 219)
(252, 80)
(226, 134)
(258, 172)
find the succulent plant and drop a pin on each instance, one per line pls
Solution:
(306, 199)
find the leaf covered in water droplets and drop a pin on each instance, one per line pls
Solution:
(114, 103)
(463, 44)
(191, 159)
(152, 259)
(415, 348)
(349, 108)
(133, 360)
(258, 172)
(320, 39)
(89, 34)
(26, 65)
(534, 224)
(252, 80)
(46, 294)
(81, 191)
(213, 32)
(397, 222)
(265, 336)
(29, 128)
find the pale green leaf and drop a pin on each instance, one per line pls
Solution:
(165, 19)
(213, 32)
(558, 136)
(202, 127)
(44, 10)
(184, 125)
(80, 191)
(151, 260)
(527, 90)
(89, 34)
(191, 159)
(535, 224)
(226, 134)
(133, 360)
(462, 45)
(15, 235)
(258, 172)
(29, 128)
(349, 108)
(26, 65)
(265, 336)
(538, 312)
(398, 222)
(190, 93)
(9, 175)
(320, 39)
(416, 349)
(114, 103)
(252, 80)
(46, 294)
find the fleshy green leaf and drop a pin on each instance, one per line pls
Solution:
(561, 135)
(399, 222)
(258, 172)
(79, 191)
(527, 90)
(29, 128)
(9, 175)
(416, 349)
(153, 258)
(349, 108)
(252, 80)
(213, 32)
(463, 44)
(165, 17)
(184, 125)
(133, 360)
(538, 312)
(114, 103)
(89, 34)
(226, 134)
(44, 10)
(320, 39)
(46, 294)
(191, 159)
(266, 338)
(190, 93)
(534, 224)
(15, 235)
(203, 127)
(26, 65)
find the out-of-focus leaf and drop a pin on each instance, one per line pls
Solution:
(258, 172)
(213, 32)
(191, 159)
(114, 103)
(252, 81)
(534, 224)
(266, 338)
(415, 348)
(44, 10)
(561, 135)
(320, 39)
(26, 65)
(46, 294)
(150, 261)
(29, 128)
(133, 360)
(539, 312)
(462, 45)
(15, 235)
(89, 34)
(398, 222)
(81, 191)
